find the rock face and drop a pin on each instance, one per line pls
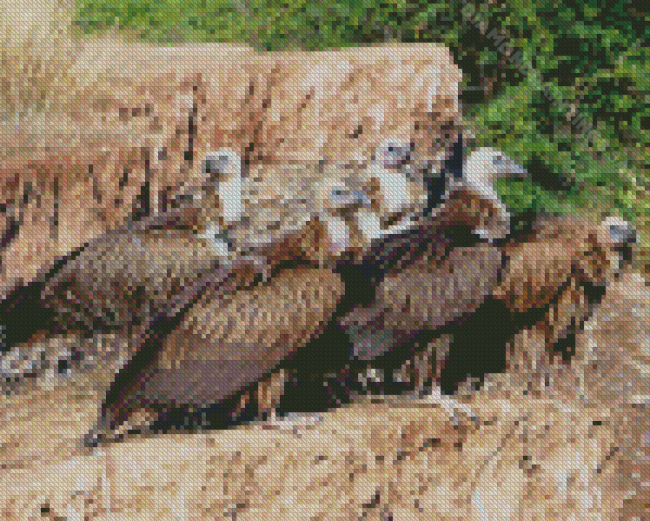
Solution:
(615, 346)
(127, 125)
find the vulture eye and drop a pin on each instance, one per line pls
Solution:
(219, 162)
(63, 367)
(211, 166)
(622, 233)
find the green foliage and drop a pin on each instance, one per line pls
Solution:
(168, 21)
(580, 61)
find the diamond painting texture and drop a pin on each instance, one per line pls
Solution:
(246, 284)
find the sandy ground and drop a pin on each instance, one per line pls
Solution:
(574, 452)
